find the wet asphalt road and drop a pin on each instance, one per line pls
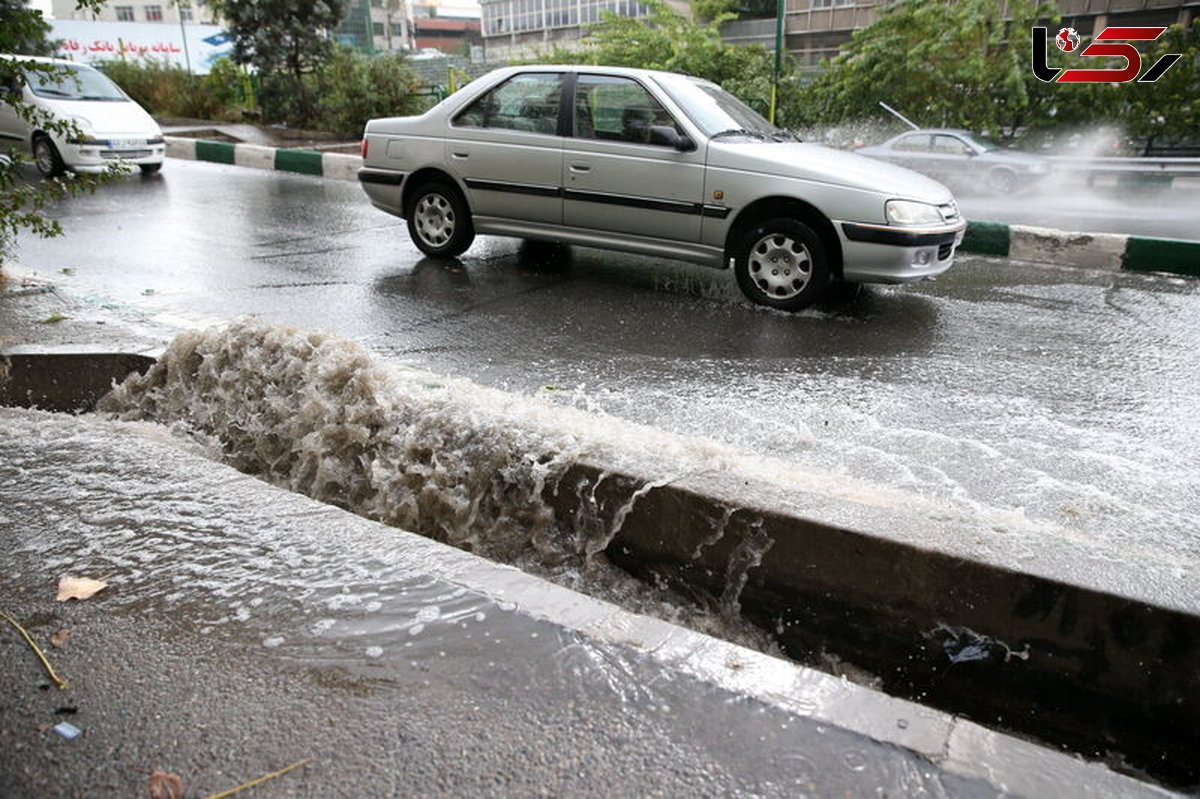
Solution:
(1048, 395)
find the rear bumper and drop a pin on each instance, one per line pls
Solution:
(889, 254)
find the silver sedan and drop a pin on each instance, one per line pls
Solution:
(658, 164)
(963, 159)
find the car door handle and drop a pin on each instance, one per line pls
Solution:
(460, 155)
(581, 168)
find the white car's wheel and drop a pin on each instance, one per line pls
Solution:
(781, 263)
(46, 156)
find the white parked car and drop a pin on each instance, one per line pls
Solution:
(659, 164)
(113, 127)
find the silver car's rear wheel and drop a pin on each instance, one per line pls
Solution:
(439, 222)
(781, 263)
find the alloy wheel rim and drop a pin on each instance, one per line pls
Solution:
(780, 266)
(434, 220)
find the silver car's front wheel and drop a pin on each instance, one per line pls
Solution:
(438, 221)
(46, 156)
(781, 263)
(780, 266)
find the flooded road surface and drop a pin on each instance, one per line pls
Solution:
(1048, 395)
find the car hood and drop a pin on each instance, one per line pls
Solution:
(826, 165)
(107, 117)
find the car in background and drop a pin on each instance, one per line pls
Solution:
(962, 159)
(658, 164)
(112, 127)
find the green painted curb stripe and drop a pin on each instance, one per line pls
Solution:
(303, 161)
(218, 151)
(986, 238)
(1162, 255)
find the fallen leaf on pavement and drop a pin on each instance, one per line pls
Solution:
(78, 588)
(59, 639)
(165, 785)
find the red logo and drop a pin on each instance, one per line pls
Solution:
(1068, 41)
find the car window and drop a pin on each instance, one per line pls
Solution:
(616, 109)
(527, 102)
(913, 144)
(949, 145)
(74, 83)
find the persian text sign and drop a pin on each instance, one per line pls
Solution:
(92, 42)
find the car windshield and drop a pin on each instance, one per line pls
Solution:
(74, 83)
(717, 112)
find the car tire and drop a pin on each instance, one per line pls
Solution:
(1002, 181)
(150, 169)
(439, 222)
(46, 157)
(781, 263)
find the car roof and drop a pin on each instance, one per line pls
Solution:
(43, 60)
(630, 72)
(932, 131)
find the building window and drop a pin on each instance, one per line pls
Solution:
(124, 13)
(154, 13)
(397, 28)
(377, 28)
(185, 13)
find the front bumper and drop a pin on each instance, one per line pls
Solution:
(891, 254)
(97, 153)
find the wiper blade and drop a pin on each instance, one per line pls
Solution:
(55, 92)
(754, 134)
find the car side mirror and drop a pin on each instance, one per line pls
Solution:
(667, 136)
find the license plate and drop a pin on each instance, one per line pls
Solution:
(125, 144)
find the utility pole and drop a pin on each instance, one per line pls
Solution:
(780, 10)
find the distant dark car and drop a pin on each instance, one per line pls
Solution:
(959, 157)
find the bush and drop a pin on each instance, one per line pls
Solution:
(351, 88)
(168, 90)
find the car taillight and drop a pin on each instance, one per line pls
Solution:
(364, 149)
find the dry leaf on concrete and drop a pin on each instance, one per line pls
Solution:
(78, 588)
(59, 639)
(165, 785)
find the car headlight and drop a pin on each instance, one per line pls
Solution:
(909, 212)
(83, 123)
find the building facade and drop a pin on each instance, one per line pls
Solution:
(815, 29)
(167, 12)
(515, 29)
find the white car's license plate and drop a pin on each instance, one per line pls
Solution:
(126, 144)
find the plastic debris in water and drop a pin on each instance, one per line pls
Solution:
(67, 730)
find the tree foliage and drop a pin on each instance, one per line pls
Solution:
(668, 40)
(966, 64)
(23, 32)
(941, 62)
(284, 40)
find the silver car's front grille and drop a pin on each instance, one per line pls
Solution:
(113, 155)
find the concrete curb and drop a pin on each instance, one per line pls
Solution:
(1109, 251)
(336, 166)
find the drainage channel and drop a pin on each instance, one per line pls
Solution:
(1105, 673)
